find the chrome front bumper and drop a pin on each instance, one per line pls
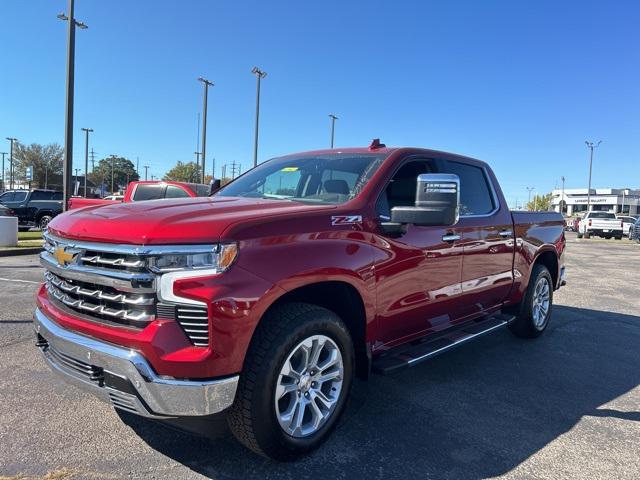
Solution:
(124, 378)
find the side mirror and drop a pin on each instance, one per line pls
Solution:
(437, 202)
(215, 186)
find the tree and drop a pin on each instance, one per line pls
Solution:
(184, 172)
(123, 172)
(46, 161)
(540, 202)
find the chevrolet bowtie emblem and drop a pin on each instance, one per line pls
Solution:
(63, 257)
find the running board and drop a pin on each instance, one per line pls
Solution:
(412, 354)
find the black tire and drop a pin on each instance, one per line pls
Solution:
(44, 221)
(252, 418)
(579, 235)
(587, 235)
(524, 326)
(619, 237)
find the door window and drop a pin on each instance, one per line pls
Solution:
(6, 197)
(40, 195)
(175, 192)
(148, 192)
(475, 193)
(19, 196)
(401, 189)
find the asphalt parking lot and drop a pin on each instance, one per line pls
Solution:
(566, 405)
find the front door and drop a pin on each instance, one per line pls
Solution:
(418, 273)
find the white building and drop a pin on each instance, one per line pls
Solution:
(616, 200)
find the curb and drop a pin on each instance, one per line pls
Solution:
(20, 251)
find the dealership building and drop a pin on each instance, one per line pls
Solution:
(616, 200)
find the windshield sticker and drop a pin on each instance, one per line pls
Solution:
(346, 219)
(289, 169)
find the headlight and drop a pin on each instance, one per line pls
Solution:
(218, 258)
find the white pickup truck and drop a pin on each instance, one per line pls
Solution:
(601, 224)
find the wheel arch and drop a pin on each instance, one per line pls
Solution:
(548, 257)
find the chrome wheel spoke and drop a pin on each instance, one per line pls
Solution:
(308, 386)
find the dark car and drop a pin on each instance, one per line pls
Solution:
(6, 212)
(634, 231)
(34, 208)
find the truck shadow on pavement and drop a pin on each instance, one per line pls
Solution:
(475, 412)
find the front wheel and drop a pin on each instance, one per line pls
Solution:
(295, 382)
(44, 222)
(535, 309)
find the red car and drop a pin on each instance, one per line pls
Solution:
(147, 190)
(267, 299)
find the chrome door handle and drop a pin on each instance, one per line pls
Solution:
(505, 233)
(450, 237)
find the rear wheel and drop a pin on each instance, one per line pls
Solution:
(535, 309)
(579, 234)
(587, 235)
(618, 237)
(295, 382)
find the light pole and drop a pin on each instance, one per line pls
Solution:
(146, 170)
(86, 157)
(333, 126)
(206, 84)
(562, 198)
(68, 127)
(4, 186)
(530, 189)
(590, 146)
(259, 76)
(113, 165)
(11, 140)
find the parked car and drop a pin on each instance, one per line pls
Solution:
(145, 190)
(634, 231)
(34, 208)
(601, 224)
(6, 212)
(268, 298)
(627, 223)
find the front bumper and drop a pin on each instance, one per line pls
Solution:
(124, 378)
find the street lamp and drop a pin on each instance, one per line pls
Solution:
(259, 76)
(562, 198)
(113, 163)
(11, 140)
(206, 84)
(333, 126)
(590, 146)
(68, 127)
(530, 189)
(146, 170)
(86, 157)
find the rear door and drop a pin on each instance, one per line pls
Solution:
(486, 238)
(18, 203)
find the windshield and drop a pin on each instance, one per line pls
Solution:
(326, 179)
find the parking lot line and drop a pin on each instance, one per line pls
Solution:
(17, 280)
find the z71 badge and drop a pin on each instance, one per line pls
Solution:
(346, 219)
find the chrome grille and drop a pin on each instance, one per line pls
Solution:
(114, 284)
(78, 367)
(194, 321)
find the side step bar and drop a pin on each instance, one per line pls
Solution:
(412, 354)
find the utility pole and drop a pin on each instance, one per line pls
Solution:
(86, 158)
(137, 168)
(4, 186)
(562, 198)
(68, 127)
(259, 76)
(206, 83)
(93, 160)
(197, 154)
(11, 140)
(333, 126)
(146, 170)
(530, 189)
(590, 146)
(113, 165)
(153, 177)
(224, 171)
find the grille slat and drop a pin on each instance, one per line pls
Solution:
(195, 323)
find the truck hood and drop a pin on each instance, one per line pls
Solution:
(180, 221)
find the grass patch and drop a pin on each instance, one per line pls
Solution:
(29, 235)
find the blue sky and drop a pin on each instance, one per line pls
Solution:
(518, 84)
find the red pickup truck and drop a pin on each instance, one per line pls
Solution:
(265, 300)
(146, 190)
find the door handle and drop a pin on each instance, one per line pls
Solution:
(450, 237)
(505, 233)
